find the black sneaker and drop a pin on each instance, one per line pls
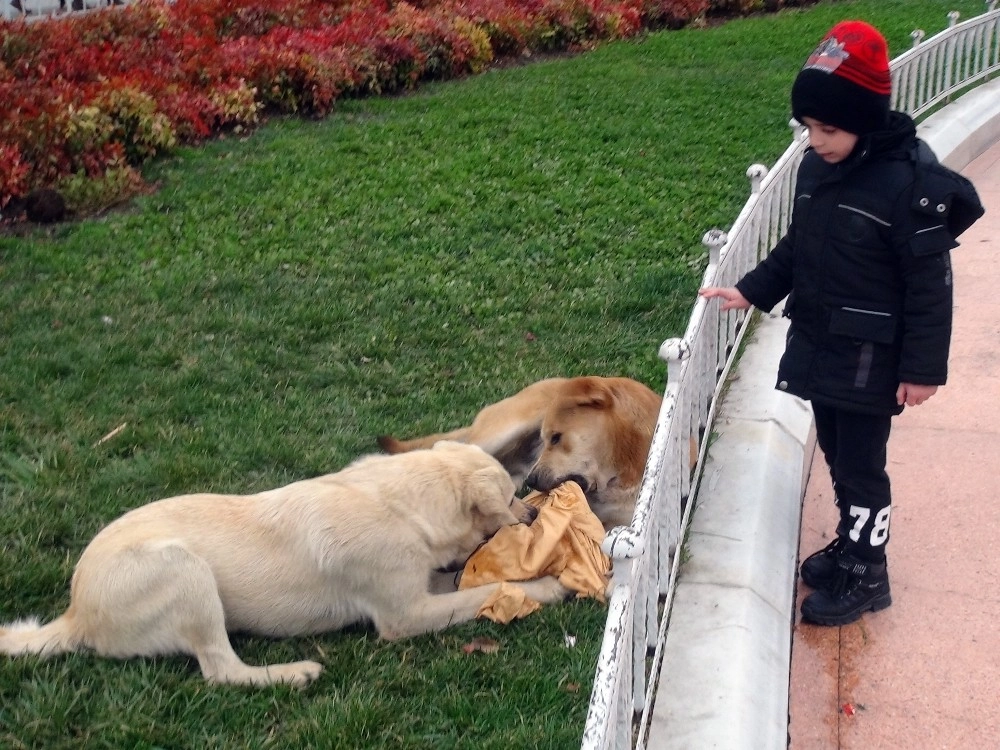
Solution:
(819, 570)
(859, 587)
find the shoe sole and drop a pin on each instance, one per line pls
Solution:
(853, 616)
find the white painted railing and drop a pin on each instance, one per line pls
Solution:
(34, 9)
(648, 553)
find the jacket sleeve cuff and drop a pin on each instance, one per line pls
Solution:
(749, 293)
(917, 379)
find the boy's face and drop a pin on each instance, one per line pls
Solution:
(832, 144)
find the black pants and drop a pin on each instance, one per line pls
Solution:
(854, 446)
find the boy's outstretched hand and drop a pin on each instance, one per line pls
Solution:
(911, 394)
(733, 299)
(914, 395)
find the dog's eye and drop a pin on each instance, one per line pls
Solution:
(556, 437)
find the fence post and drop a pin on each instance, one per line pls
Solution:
(714, 239)
(756, 174)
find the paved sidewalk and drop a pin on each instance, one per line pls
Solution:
(924, 673)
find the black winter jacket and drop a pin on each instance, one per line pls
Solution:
(867, 271)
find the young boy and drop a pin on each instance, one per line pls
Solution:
(866, 269)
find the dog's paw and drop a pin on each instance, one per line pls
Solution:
(299, 673)
(546, 590)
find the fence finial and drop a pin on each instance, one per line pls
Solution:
(756, 173)
(798, 129)
(714, 240)
(623, 543)
(953, 17)
(675, 351)
(917, 36)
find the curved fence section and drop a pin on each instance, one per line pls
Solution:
(931, 72)
(647, 554)
(35, 9)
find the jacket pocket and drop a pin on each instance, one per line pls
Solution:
(858, 226)
(935, 239)
(866, 325)
(860, 360)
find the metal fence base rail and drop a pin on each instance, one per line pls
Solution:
(647, 554)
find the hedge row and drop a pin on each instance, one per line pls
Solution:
(85, 99)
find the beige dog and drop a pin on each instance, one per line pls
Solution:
(359, 545)
(592, 430)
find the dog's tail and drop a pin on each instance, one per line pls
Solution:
(390, 444)
(28, 636)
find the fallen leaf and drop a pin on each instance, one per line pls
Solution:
(111, 434)
(485, 645)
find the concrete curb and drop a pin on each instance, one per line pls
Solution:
(724, 677)
(962, 131)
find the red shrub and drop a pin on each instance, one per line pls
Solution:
(107, 90)
(671, 13)
(13, 174)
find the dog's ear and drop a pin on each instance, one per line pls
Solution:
(592, 392)
(489, 488)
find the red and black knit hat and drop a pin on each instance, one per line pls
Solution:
(845, 82)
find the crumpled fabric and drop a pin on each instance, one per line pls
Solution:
(509, 602)
(563, 541)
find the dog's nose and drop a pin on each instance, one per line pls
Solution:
(546, 482)
(538, 480)
(532, 514)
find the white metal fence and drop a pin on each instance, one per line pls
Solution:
(646, 554)
(35, 9)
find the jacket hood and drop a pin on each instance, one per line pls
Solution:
(895, 141)
(900, 132)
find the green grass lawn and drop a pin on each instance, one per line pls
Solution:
(282, 299)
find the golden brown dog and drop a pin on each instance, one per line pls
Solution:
(363, 544)
(593, 430)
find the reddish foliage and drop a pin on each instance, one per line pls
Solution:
(83, 94)
(13, 172)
